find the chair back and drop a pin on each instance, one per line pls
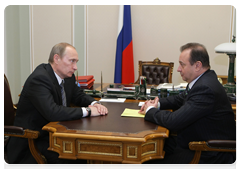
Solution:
(16, 131)
(9, 111)
(156, 72)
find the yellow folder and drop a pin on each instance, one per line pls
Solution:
(132, 113)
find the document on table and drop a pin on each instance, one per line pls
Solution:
(118, 100)
(131, 113)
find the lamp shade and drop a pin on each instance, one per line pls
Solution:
(228, 48)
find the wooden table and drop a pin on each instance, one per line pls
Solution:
(108, 138)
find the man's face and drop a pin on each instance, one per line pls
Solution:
(67, 65)
(187, 71)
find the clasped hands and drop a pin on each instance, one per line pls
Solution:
(148, 103)
(98, 109)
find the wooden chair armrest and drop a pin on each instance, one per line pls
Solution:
(16, 131)
(214, 145)
(13, 130)
(211, 145)
(20, 132)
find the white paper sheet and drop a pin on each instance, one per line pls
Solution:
(118, 100)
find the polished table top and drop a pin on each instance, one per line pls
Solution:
(113, 123)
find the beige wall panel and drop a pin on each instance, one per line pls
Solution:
(102, 23)
(158, 31)
(50, 25)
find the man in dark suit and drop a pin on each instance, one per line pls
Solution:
(202, 112)
(43, 100)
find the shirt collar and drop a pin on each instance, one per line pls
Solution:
(194, 81)
(59, 78)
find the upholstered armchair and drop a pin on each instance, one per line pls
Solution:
(156, 72)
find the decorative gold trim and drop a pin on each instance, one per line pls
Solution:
(135, 154)
(55, 142)
(64, 147)
(99, 153)
(156, 60)
(150, 152)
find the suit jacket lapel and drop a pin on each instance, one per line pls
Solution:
(54, 81)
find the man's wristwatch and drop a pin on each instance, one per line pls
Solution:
(89, 111)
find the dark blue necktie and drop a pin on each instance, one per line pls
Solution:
(64, 103)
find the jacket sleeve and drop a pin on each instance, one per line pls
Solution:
(196, 105)
(172, 102)
(77, 96)
(44, 96)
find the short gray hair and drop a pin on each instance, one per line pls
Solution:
(58, 49)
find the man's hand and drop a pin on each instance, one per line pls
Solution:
(147, 104)
(98, 109)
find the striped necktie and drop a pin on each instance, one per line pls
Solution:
(64, 103)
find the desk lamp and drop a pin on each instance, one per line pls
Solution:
(230, 50)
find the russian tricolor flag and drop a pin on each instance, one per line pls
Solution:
(124, 68)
